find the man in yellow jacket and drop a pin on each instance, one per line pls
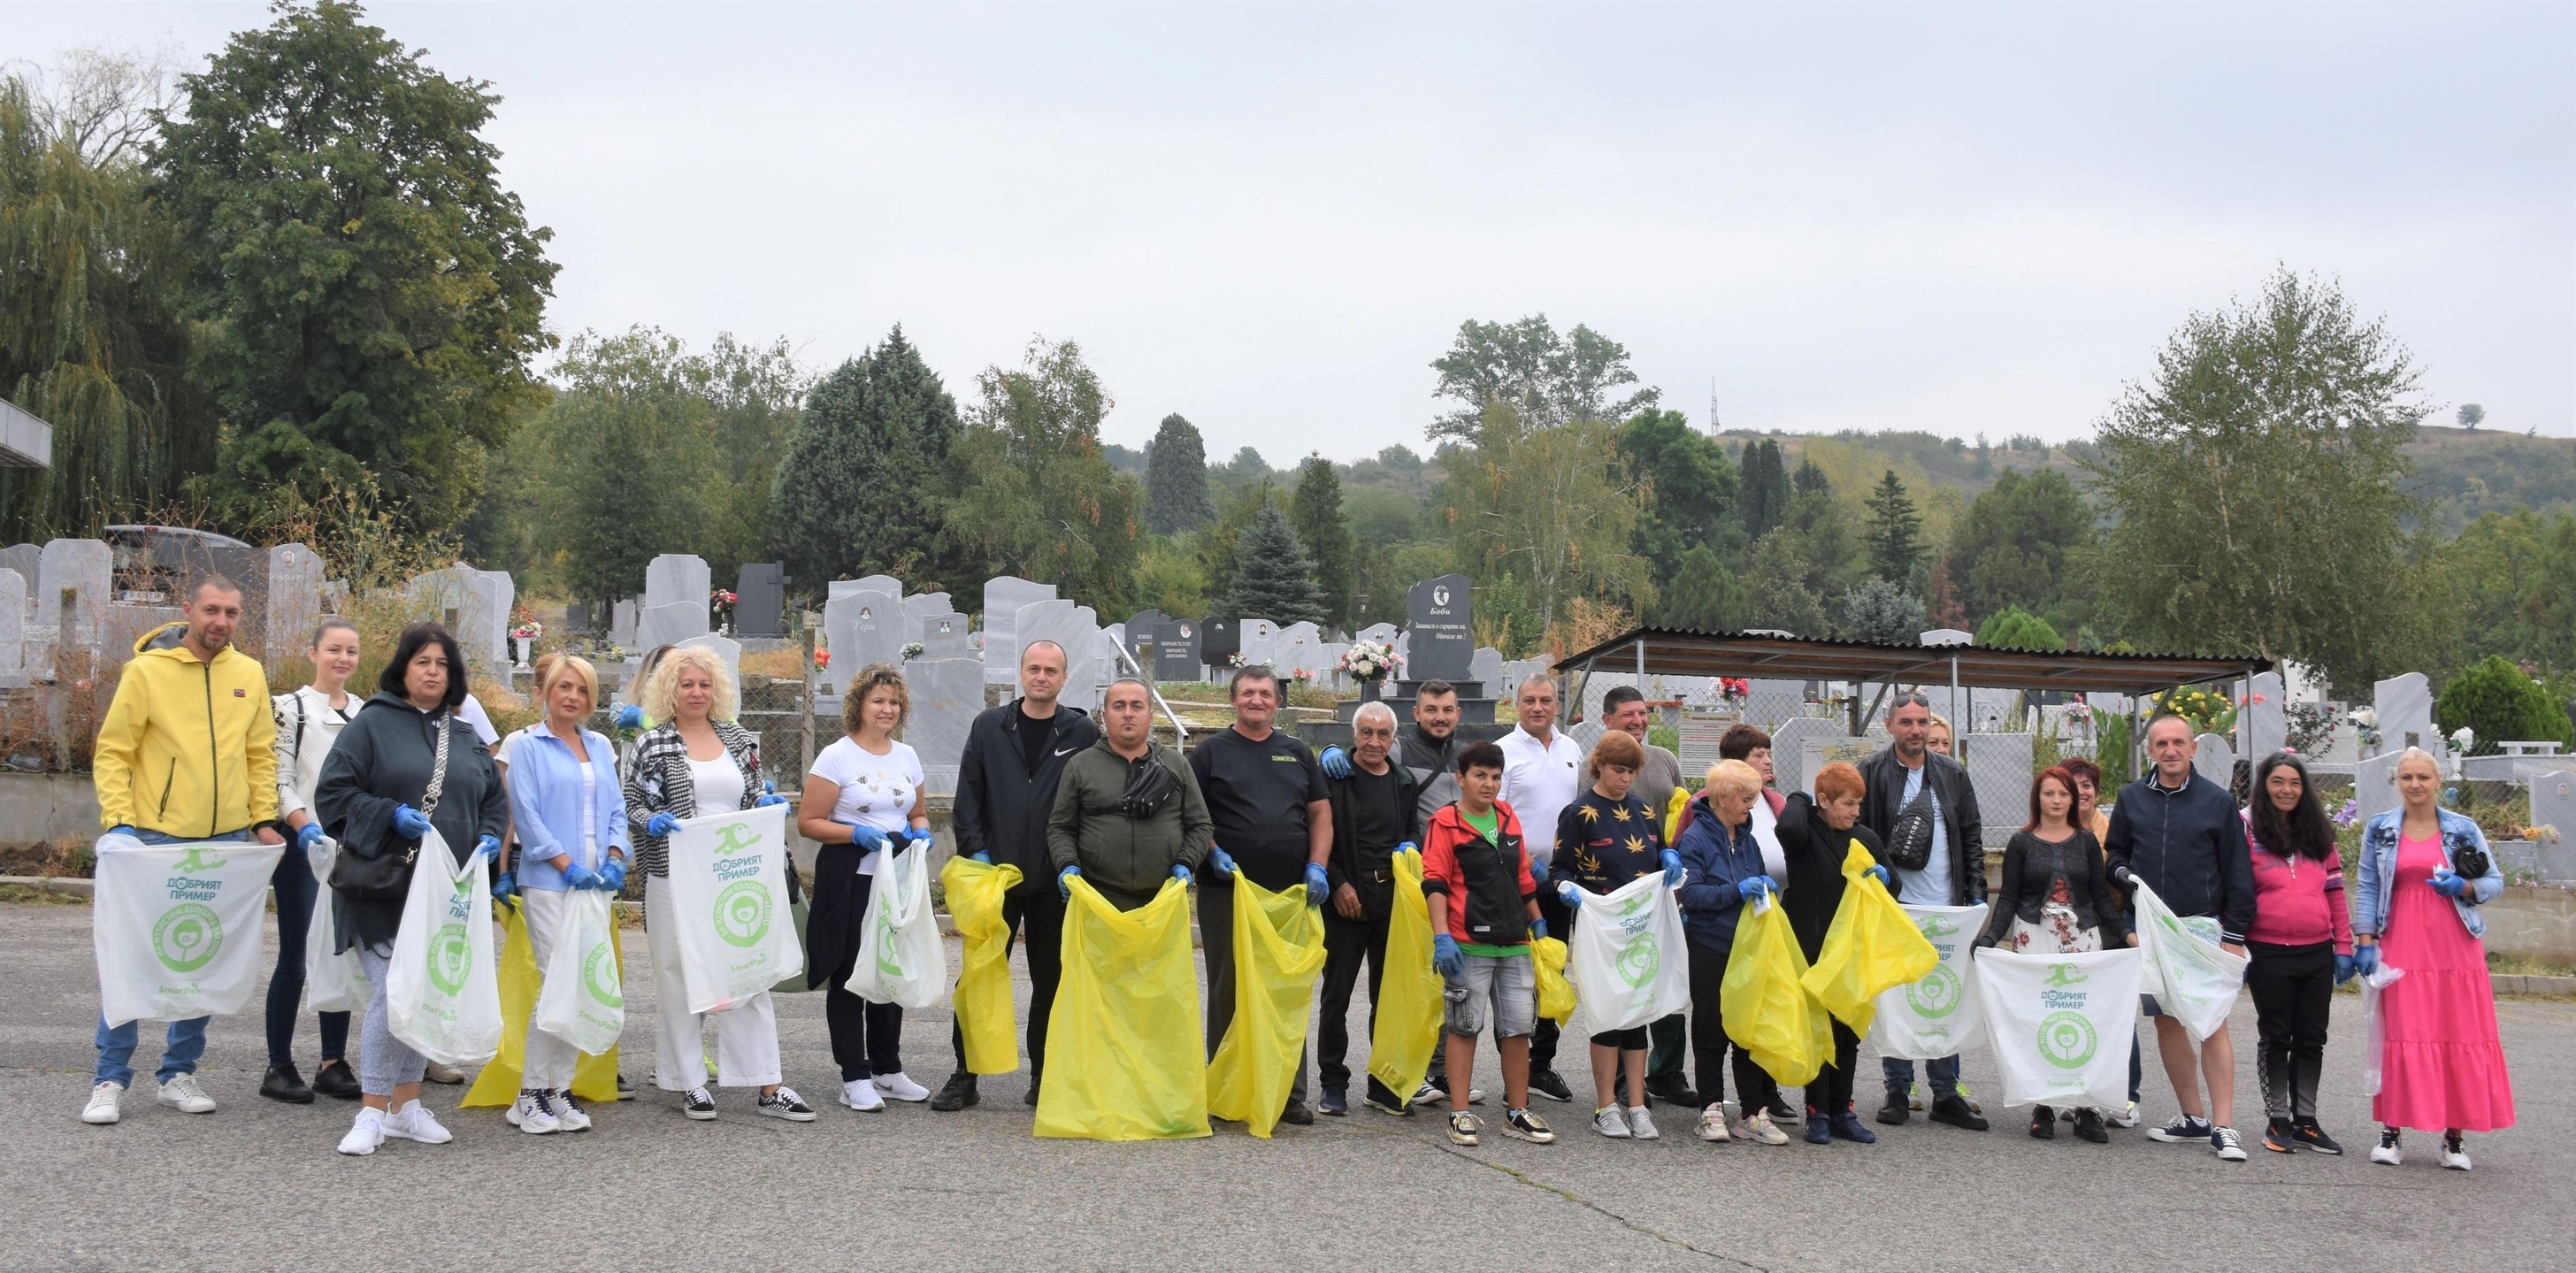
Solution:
(185, 755)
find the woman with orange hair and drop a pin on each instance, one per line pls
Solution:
(1816, 833)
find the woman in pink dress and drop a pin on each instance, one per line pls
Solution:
(2425, 871)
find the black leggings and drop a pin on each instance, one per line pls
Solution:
(297, 893)
(867, 1037)
(1754, 1090)
(1831, 1093)
(2293, 990)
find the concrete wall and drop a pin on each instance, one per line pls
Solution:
(2533, 923)
(37, 809)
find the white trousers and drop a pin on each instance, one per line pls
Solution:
(550, 1060)
(746, 1033)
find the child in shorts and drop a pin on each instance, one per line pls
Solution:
(1484, 913)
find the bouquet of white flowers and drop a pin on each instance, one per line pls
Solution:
(1370, 660)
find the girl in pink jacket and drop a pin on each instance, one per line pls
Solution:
(2300, 944)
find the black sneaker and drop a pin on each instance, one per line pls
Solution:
(2043, 1123)
(2088, 1126)
(956, 1094)
(625, 1090)
(1954, 1110)
(1030, 1097)
(1383, 1099)
(785, 1103)
(1546, 1082)
(2278, 1137)
(335, 1081)
(1430, 1093)
(1672, 1089)
(1298, 1114)
(283, 1083)
(1336, 1103)
(1781, 1113)
(2313, 1138)
(698, 1104)
(1895, 1111)
(2183, 1130)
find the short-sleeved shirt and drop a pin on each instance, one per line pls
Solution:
(876, 791)
(1257, 793)
(1602, 844)
(1539, 780)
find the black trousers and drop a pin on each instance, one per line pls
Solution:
(1038, 910)
(297, 894)
(1831, 1093)
(1754, 1090)
(2293, 989)
(867, 1037)
(1346, 943)
(1560, 924)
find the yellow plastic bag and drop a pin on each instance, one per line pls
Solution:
(1555, 993)
(984, 988)
(1124, 1057)
(1408, 1004)
(496, 1086)
(1768, 1011)
(1673, 815)
(1278, 949)
(1872, 947)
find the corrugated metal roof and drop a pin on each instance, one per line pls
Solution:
(1685, 652)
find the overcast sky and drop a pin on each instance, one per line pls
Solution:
(1959, 218)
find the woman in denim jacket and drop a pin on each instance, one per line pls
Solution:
(2441, 1062)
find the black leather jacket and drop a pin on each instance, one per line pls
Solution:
(1884, 777)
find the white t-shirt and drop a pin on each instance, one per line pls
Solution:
(471, 712)
(1539, 780)
(876, 791)
(1766, 833)
(1931, 885)
(717, 784)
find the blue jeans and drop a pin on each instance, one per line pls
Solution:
(1941, 1071)
(186, 1040)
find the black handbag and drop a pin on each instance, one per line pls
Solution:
(2470, 862)
(1149, 786)
(387, 877)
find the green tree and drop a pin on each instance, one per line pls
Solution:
(91, 338)
(1879, 610)
(1776, 590)
(628, 438)
(1766, 488)
(867, 474)
(2503, 704)
(1895, 535)
(1216, 544)
(370, 293)
(1691, 490)
(1041, 500)
(1825, 542)
(1546, 379)
(1315, 511)
(1168, 578)
(1176, 481)
(1552, 506)
(1810, 479)
(2255, 478)
(756, 394)
(1274, 579)
(2013, 628)
(1703, 595)
(2515, 578)
(2015, 543)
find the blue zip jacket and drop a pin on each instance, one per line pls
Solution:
(2190, 845)
(2380, 881)
(1715, 863)
(545, 805)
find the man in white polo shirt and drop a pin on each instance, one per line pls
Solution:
(1542, 773)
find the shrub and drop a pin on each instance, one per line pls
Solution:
(2502, 704)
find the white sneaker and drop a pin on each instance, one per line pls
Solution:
(364, 1134)
(438, 1072)
(184, 1094)
(902, 1088)
(861, 1095)
(414, 1122)
(1606, 1120)
(2125, 1118)
(1712, 1124)
(532, 1113)
(1642, 1124)
(1761, 1130)
(2386, 1150)
(106, 1105)
(2455, 1153)
(568, 1112)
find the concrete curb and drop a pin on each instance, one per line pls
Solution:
(50, 884)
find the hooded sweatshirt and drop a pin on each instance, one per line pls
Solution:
(188, 747)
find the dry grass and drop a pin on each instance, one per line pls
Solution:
(784, 664)
(28, 896)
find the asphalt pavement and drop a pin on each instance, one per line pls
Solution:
(256, 1185)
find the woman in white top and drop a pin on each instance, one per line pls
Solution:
(307, 721)
(699, 761)
(862, 799)
(568, 814)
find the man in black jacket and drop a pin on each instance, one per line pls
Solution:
(1910, 778)
(2180, 834)
(1005, 789)
(1376, 809)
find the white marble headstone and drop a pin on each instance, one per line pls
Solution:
(1789, 748)
(2553, 808)
(677, 577)
(2262, 722)
(1260, 642)
(862, 628)
(657, 626)
(1003, 597)
(13, 622)
(84, 568)
(946, 696)
(1088, 656)
(1487, 667)
(918, 609)
(294, 598)
(621, 623)
(2374, 785)
(2405, 706)
(945, 636)
(2214, 759)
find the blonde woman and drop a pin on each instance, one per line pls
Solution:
(307, 720)
(570, 818)
(1723, 871)
(698, 760)
(863, 800)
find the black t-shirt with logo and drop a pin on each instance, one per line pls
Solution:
(1257, 794)
(1035, 734)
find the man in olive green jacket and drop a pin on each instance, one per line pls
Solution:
(1102, 829)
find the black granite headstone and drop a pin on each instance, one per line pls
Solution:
(1176, 650)
(1441, 643)
(1219, 640)
(1140, 636)
(760, 600)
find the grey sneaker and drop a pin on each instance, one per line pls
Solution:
(1641, 1124)
(1608, 1121)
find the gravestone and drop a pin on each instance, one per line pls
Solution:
(1788, 749)
(26, 559)
(1382, 633)
(944, 636)
(2374, 785)
(1999, 773)
(1003, 597)
(658, 626)
(1258, 642)
(1584, 734)
(1437, 617)
(760, 600)
(919, 609)
(1219, 640)
(862, 628)
(674, 578)
(2262, 725)
(1404, 655)
(1485, 668)
(2214, 759)
(1137, 635)
(2405, 706)
(2553, 808)
(13, 622)
(726, 649)
(1176, 651)
(873, 583)
(84, 569)
(1295, 650)
(1329, 665)
(1814, 753)
(294, 599)
(1077, 629)
(946, 696)
(621, 623)
(474, 606)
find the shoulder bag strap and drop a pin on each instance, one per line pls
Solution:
(437, 766)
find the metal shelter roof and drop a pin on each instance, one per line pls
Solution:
(1682, 652)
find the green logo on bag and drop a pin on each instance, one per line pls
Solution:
(187, 937)
(1937, 995)
(2060, 976)
(2067, 1040)
(1638, 961)
(196, 861)
(599, 977)
(742, 912)
(1934, 926)
(450, 955)
(735, 837)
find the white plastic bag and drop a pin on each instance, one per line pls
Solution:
(1933, 1017)
(582, 1003)
(2375, 1049)
(442, 990)
(2195, 981)
(1626, 957)
(176, 926)
(332, 982)
(2057, 1022)
(900, 958)
(728, 892)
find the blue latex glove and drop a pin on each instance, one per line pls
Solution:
(2365, 960)
(1446, 958)
(579, 876)
(490, 847)
(122, 828)
(1881, 873)
(661, 825)
(1317, 884)
(867, 839)
(628, 716)
(920, 837)
(2345, 967)
(985, 858)
(1756, 886)
(410, 823)
(1538, 927)
(768, 799)
(1222, 861)
(1064, 881)
(1674, 875)
(308, 835)
(1181, 871)
(2448, 884)
(613, 876)
(505, 886)
(1570, 895)
(1336, 763)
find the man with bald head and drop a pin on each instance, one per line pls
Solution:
(1376, 810)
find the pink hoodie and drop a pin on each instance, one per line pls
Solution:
(2298, 901)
